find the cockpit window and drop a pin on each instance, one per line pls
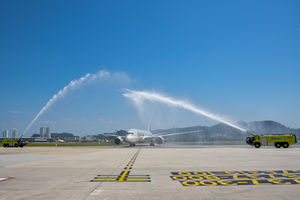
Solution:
(130, 133)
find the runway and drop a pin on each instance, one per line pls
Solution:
(143, 172)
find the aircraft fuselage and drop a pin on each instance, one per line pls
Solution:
(136, 135)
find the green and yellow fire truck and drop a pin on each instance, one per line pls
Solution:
(277, 140)
(12, 142)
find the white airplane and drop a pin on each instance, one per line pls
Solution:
(139, 136)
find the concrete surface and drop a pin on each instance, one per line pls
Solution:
(66, 172)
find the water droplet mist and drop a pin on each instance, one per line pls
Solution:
(139, 96)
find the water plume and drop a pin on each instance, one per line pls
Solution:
(138, 98)
(74, 84)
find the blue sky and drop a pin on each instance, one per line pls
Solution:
(236, 58)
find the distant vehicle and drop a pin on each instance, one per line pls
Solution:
(12, 142)
(277, 140)
(60, 140)
(139, 136)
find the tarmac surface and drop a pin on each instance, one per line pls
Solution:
(143, 172)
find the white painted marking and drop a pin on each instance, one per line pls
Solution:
(96, 192)
(4, 178)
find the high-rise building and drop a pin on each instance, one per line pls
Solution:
(42, 131)
(48, 134)
(5, 133)
(15, 133)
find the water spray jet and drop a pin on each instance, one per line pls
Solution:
(74, 84)
(139, 96)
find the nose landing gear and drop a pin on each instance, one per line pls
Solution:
(132, 144)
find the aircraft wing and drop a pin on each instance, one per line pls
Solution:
(112, 135)
(170, 134)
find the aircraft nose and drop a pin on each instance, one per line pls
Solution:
(128, 137)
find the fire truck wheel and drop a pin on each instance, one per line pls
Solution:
(285, 145)
(257, 144)
(277, 145)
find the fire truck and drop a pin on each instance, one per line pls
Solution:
(277, 140)
(12, 142)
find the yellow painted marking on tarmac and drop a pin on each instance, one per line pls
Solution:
(119, 175)
(226, 182)
(122, 181)
(244, 182)
(136, 181)
(236, 172)
(235, 178)
(125, 175)
(104, 178)
(139, 175)
(190, 183)
(208, 182)
(133, 178)
(279, 181)
(255, 182)
(297, 181)
(128, 177)
(108, 175)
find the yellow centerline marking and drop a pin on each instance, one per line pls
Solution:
(124, 176)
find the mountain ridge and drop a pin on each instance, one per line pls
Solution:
(223, 132)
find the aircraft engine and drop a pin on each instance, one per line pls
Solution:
(118, 140)
(159, 140)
